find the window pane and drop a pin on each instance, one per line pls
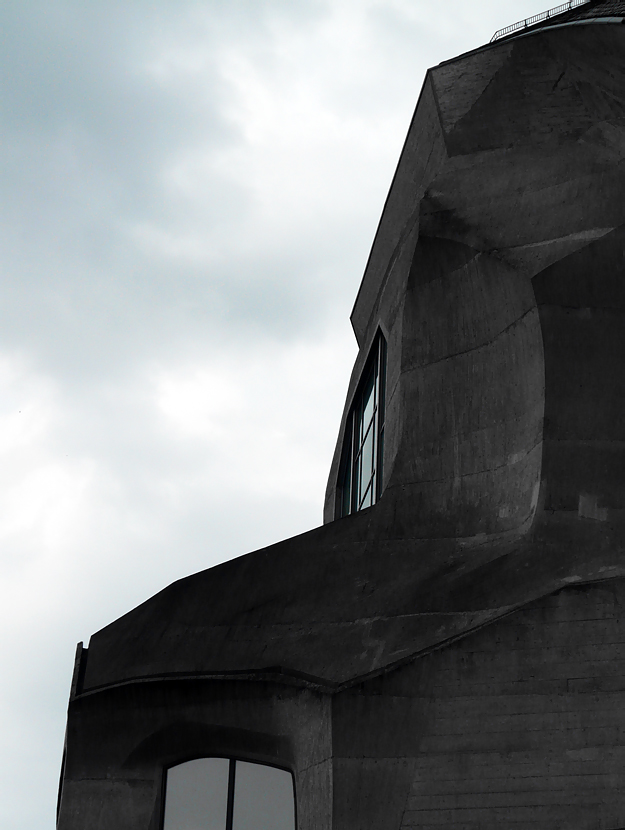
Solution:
(356, 495)
(263, 798)
(367, 403)
(368, 498)
(346, 504)
(367, 459)
(346, 481)
(197, 794)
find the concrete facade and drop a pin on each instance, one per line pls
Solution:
(453, 655)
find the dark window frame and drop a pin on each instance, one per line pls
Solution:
(361, 468)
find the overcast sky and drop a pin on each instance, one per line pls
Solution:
(189, 192)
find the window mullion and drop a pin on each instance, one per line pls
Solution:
(355, 460)
(230, 802)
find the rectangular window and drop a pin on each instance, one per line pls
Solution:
(360, 473)
(228, 794)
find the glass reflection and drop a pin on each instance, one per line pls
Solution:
(263, 798)
(367, 405)
(367, 458)
(367, 500)
(196, 795)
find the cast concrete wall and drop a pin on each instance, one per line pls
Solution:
(581, 301)
(120, 741)
(514, 156)
(521, 724)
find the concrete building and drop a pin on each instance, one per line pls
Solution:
(448, 649)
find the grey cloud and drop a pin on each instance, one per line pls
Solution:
(87, 135)
(99, 102)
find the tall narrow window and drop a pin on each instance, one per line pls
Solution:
(360, 474)
(228, 794)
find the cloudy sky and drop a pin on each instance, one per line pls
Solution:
(189, 191)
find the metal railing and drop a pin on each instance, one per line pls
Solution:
(537, 18)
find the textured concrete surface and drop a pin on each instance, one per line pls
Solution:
(119, 743)
(519, 724)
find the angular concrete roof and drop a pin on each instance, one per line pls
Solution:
(338, 604)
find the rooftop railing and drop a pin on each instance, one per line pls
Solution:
(537, 18)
